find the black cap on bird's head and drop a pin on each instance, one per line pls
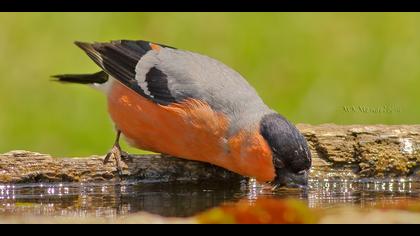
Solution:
(291, 155)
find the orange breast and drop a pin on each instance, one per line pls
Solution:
(190, 130)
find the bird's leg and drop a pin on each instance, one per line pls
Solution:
(116, 152)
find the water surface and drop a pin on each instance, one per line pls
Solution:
(111, 200)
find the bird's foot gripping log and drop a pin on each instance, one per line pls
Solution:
(117, 153)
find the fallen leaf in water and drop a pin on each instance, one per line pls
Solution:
(262, 211)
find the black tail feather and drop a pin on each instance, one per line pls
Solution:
(119, 59)
(99, 77)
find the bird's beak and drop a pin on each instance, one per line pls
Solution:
(290, 179)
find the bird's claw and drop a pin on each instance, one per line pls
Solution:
(117, 154)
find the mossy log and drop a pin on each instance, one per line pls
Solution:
(350, 151)
(360, 151)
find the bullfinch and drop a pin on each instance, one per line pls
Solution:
(191, 106)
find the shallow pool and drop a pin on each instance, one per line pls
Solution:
(111, 200)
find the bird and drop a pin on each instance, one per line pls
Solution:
(191, 106)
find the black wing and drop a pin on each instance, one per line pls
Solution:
(119, 59)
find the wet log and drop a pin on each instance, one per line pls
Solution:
(361, 151)
(339, 151)
(29, 167)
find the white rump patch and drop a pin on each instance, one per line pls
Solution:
(104, 87)
(144, 65)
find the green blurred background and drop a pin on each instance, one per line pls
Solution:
(307, 66)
